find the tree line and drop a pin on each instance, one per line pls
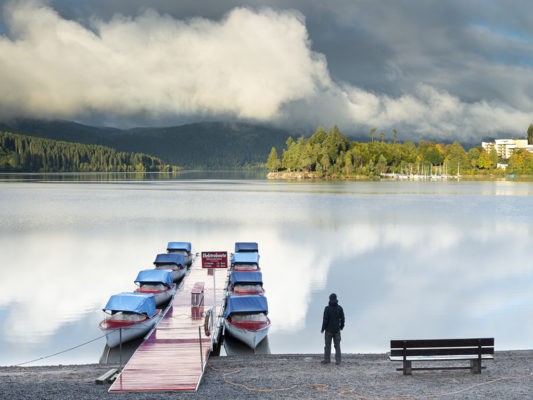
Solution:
(21, 153)
(330, 154)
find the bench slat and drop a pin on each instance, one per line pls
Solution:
(436, 368)
(441, 351)
(470, 342)
(442, 358)
(473, 349)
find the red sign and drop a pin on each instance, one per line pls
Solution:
(214, 259)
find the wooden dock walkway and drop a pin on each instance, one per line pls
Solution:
(173, 356)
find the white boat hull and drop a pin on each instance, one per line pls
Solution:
(250, 337)
(114, 336)
(161, 297)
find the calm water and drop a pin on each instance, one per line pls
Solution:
(406, 259)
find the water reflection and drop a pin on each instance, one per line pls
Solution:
(406, 260)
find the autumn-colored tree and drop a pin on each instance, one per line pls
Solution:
(484, 161)
(273, 162)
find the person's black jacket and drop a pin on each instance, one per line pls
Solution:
(333, 320)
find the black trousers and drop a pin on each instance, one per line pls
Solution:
(336, 337)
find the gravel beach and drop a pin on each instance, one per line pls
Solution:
(361, 376)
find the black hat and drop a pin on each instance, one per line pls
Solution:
(333, 296)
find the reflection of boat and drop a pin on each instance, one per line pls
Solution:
(174, 262)
(132, 316)
(245, 318)
(234, 347)
(245, 283)
(246, 247)
(158, 282)
(183, 248)
(248, 261)
(120, 354)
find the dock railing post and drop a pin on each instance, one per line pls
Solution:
(120, 350)
(201, 350)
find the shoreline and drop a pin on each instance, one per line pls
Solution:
(360, 376)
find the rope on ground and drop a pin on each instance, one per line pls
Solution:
(346, 392)
(318, 386)
(60, 352)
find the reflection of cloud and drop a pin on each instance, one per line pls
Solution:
(54, 281)
(291, 274)
(466, 285)
(393, 268)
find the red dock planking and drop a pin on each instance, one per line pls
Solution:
(170, 358)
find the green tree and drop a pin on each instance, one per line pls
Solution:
(457, 159)
(372, 132)
(494, 157)
(530, 134)
(273, 162)
(484, 161)
(430, 152)
(473, 155)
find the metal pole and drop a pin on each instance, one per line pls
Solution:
(214, 309)
(201, 350)
(120, 343)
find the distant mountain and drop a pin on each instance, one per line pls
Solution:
(209, 145)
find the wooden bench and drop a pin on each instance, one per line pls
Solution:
(473, 350)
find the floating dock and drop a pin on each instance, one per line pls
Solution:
(174, 355)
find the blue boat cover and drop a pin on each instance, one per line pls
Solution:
(155, 276)
(241, 247)
(246, 277)
(245, 258)
(170, 258)
(141, 303)
(179, 246)
(246, 304)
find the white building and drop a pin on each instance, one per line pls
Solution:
(505, 147)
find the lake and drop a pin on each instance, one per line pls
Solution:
(406, 259)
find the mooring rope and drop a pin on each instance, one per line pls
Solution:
(347, 392)
(59, 352)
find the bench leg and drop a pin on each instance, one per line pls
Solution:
(407, 369)
(475, 366)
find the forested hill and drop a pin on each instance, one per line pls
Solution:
(21, 153)
(209, 145)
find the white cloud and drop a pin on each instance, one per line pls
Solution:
(253, 65)
(245, 65)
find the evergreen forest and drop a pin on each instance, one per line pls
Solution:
(330, 154)
(20, 153)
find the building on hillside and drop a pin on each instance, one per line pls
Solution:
(505, 147)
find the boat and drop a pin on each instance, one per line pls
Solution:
(158, 282)
(247, 261)
(245, 283)
(245, 318)
(132, 315)
(246, 247)
(181, 248)
(173, 262)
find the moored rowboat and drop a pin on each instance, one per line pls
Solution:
(183, 248)
(173, 262)
(132, 315)
(246, 283)
(247, 261)
(245, 318)
(158, 282)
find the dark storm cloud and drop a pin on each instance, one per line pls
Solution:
(461, 69)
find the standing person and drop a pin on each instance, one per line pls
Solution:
(332, 324)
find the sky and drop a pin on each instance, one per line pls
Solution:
(456, 69)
